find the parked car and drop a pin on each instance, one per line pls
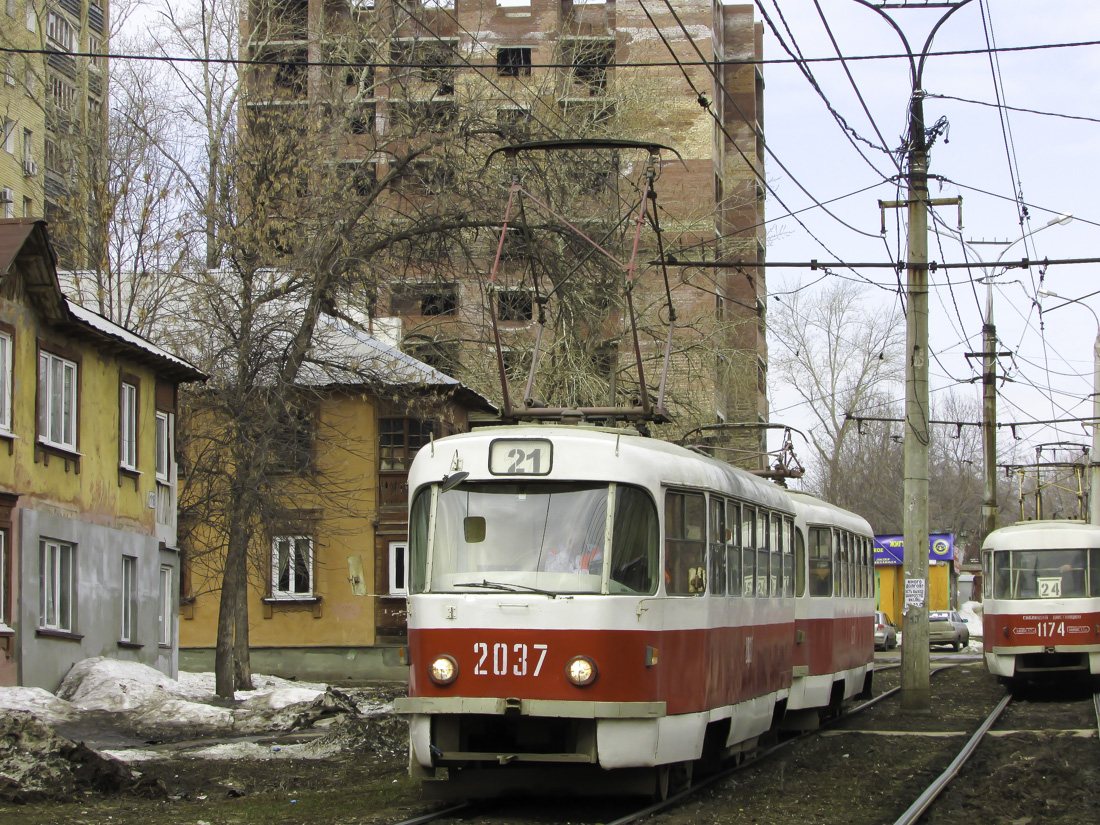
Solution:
(946, 627)
(886, 632)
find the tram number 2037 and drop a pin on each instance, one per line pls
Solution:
(500, 660)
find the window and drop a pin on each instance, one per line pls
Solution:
(294, 440)
(5, 381)
(56, 585)
(32, 18)
(57, 390)
(61, 93)
(95, 49)
(427, 299)
(717, 546)
(59, 31)
(399, 441)
(162, 446)
(733, 547)
(399, 558)
(166, 611)
(292, 567)
(9, 71)
(127, 426)
(590, 60)
(514, 61)
(28, 208)
(685, 547)
(9, 136)
(514, 305)
(129, 599)
(821, 562)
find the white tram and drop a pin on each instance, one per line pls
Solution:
(1041, 594)
(594, 611)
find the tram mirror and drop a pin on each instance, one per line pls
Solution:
(473, 529)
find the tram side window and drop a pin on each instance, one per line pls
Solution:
(821, 562)
(775, 546)
(748, 550)
(845, 565)
(1094, 573)
(788, 557)
(799, 563)
(634, 542)
(733, 546)
(685, 544)
(717, 546)
(762, 565)
(868, 587)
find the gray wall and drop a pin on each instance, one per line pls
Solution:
(97, 612)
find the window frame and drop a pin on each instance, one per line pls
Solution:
(162, 448)
(47, 357)
(399, 560)
(128, 631)
(166, 614)
(129, 403)
(403, 454)
(5, 582)
(56, 581)
(289, 593)
(7, 377)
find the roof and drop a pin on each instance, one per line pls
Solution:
(25, 245)
(352, 357)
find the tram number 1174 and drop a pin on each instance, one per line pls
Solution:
(498, 659)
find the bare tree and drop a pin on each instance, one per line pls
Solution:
(840, 356)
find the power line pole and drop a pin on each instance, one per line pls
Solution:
(915, 658)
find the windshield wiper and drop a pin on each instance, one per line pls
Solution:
(507, 588)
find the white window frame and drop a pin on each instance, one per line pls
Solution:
(166, 627)
(32, 17)
(60, 31)
(129, 599)
(56, 585)
(280, 547)
(5, 382)
(163, 446)
(9, 136)
(127, 426)
(399, 568)
(57, 417)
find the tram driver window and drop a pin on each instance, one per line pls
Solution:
(634, 544)
(685, 544)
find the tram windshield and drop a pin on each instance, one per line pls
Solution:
(540, 537)
(1046, 574)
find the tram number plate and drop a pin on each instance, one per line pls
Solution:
(520, 457)
(1050, 588)
(500, 659)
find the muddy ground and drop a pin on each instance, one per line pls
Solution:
(846, 776)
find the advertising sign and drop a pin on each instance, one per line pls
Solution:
(891, 549)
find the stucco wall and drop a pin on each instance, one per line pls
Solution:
(97, 618)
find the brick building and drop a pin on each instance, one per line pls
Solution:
(557, 69)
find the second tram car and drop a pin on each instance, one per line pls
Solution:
(1041, 594)
(595, 612)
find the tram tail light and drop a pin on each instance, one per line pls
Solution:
(650, 656)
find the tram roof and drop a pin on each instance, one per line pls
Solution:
(616, 454)
(1044, 535)
(818, 511)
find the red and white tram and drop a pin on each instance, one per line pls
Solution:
(582, 598)
(1041, 593)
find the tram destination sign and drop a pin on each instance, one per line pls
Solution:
(521, 457)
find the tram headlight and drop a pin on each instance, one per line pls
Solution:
(443, 670)
(581, 671)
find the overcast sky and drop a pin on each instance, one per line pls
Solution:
(1049, 159)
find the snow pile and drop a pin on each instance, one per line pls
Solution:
(37, 764)
(971, 613)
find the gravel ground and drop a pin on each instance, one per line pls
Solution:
(866, 770)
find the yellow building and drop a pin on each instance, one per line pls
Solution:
(329, 600)
(54, 101)
(88, 558)
(943, 574)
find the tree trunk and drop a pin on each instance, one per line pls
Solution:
(241, 656)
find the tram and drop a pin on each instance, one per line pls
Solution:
(1041, 594)
(595, 612)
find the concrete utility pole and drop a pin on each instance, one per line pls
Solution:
(915, 658)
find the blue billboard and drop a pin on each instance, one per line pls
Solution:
(891, 549)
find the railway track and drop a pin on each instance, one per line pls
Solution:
(1018, 725)
(617, 812)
